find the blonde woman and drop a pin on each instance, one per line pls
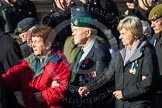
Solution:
(133, 66)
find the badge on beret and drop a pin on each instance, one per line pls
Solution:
(19, 30)
(77, 9)
(154, 16)
(76, 22)
(126, 12)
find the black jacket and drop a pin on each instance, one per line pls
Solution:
(134, 90)
(20, 10)
(10, 55)
(100, 91)
(157, 42)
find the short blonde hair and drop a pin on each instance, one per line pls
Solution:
(132, 24)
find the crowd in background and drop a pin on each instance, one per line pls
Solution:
(82, 54)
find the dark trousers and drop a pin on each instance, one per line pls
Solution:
(157, 100)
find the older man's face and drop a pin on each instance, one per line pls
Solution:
(157, 25)
(24, 36)
(80, 35)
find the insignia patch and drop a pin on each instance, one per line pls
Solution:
(76, 22)
(126, 12)
(19, 29)
(77, 9)
(154, 16)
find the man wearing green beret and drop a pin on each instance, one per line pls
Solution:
(88, 67)
(70, 49)
(155, 16)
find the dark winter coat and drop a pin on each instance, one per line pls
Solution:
(90, 73)
(135, 91)
(157, 42)
(10, 54)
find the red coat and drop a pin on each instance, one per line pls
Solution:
(21, 77)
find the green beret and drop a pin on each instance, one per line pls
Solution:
(156, 12)
(83, 22)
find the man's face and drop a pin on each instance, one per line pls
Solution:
(130, 5)
(24, 36)
(80, 35)
(38, 46)
(157, 25)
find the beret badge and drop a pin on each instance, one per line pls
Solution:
(76, 22)
(154, 16)
(77, 9)
(19, 29)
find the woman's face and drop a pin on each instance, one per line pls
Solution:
(127, 38)
(38, 46)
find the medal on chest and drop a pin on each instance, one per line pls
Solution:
(133, 68)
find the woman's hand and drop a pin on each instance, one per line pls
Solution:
(118, 94)
(54, 84)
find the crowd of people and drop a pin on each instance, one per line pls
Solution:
(82, 54)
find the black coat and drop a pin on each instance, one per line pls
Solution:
(20, 10)
(136, 92)
(157, 42)
(100, 91)
(10, 55)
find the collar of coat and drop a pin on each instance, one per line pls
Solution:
(52, 56)
(137, 53)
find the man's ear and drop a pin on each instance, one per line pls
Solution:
(89, 32)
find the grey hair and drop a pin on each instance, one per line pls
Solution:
(146, 28)
(133, 24)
